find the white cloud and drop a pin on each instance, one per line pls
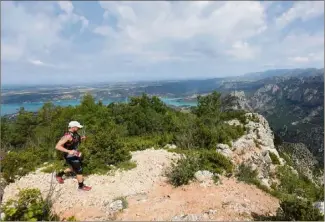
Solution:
(299, 59)
(103, 30)
(27, 32)
(242, 50)
(36, 62)
(162, 38)
(310, 57)
(304, 10)
(66, 6)
(39, 63)
(10, 52)
(145, 25)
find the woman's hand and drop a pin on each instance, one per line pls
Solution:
(83, 137)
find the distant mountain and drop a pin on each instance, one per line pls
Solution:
(281, 72)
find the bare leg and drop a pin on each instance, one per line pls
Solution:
(80, 178)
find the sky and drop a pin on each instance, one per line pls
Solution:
(45, 42)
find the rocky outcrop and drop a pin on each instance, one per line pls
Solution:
(254, 148)
(205, 178)
(236, 101)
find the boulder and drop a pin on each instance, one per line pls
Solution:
(222, 146)
(170, 146)
(203, 176)
(226, 152)
(116, 205)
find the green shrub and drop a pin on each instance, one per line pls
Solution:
(138, 143)
(72, 218)
(274, 158)
(247, 174)
(29, 206)
(291, 185)
(103, 150)
(227, 133)
(293, 210)
(20, 163)
(234, 114)
(147, 141)
(215, 178)
(298, 211)
(214, 162)
(183, 171)
(287, 158)
(296, 185)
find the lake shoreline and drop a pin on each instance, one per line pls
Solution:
(13, 108)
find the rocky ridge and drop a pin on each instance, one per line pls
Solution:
(236, 101)
(254, 148)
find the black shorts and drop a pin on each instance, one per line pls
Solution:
(75, 163)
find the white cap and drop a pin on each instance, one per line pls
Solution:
(75, 124)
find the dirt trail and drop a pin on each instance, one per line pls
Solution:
(231, 200)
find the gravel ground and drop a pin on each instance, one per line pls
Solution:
(150, 167)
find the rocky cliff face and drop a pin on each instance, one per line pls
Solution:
(305, 91)
(302, 159)
(236, 101)
(254, 148)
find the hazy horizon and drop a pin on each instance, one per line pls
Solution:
(135, 81)
(89, 42)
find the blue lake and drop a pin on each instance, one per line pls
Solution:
(14, 107)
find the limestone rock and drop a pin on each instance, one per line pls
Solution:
(226, 152)
(188, 217)
(203, 176)
(116, 205)
(234, 122)
(222, 146)
(170, 146)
